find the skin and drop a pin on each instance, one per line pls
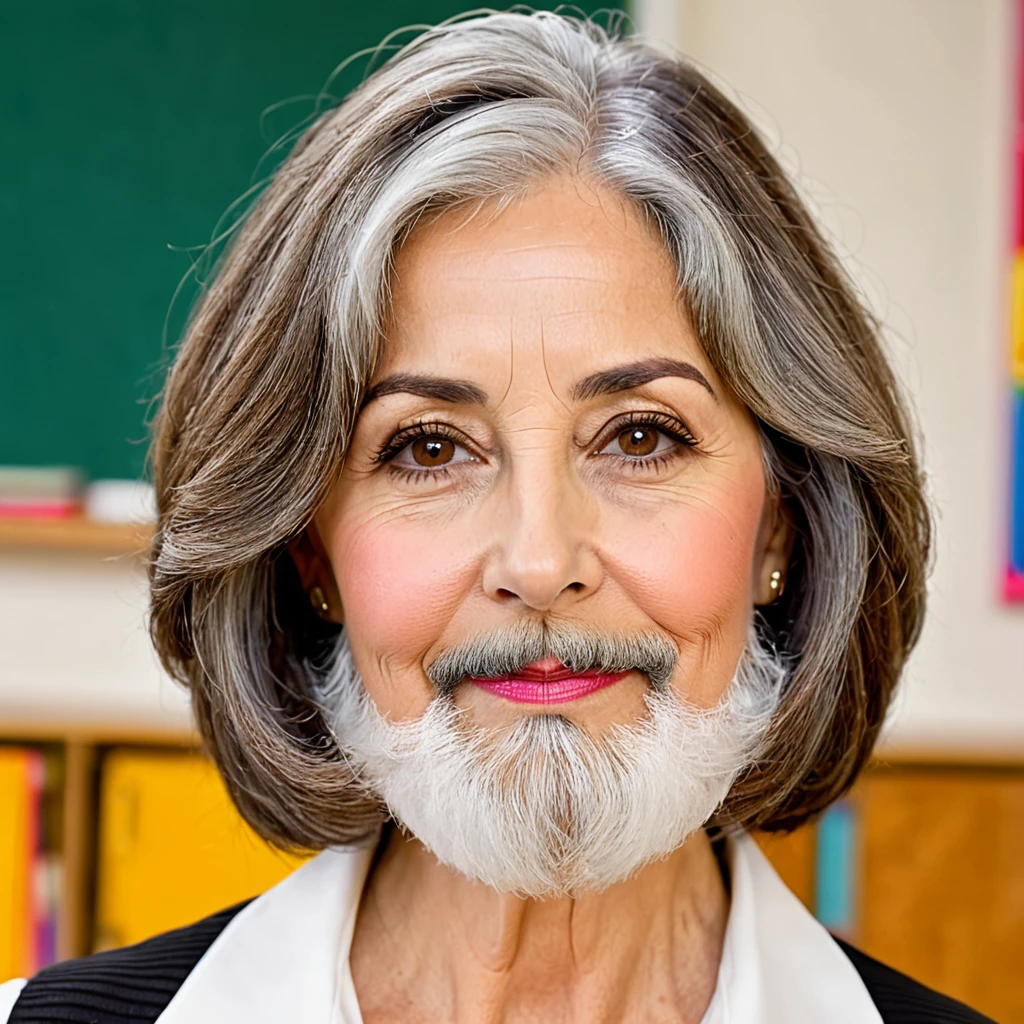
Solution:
(540, 503)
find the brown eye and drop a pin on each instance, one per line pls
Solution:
(638, 440)
(432, 451)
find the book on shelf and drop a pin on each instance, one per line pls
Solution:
(41, 492)
(29, 865)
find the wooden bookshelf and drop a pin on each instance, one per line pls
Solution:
(79, 744)
(74, 533)
(19, 727)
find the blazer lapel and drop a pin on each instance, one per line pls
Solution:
(285, 956)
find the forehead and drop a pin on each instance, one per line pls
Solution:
(569, 273)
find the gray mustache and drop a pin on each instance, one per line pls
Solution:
(506, 651)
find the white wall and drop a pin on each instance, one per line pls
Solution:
(73, 644)
(897, 117)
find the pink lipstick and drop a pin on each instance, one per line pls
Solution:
(546, 682)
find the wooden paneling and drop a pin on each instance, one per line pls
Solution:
(74, 920)
(939, 878)
(941, 883)
(792, 856)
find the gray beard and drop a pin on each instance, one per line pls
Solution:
(541, 808)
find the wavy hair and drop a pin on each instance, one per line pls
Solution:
(261, 400)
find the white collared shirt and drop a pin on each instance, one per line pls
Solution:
(285, 957)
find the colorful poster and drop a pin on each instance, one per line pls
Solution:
(1014, 583)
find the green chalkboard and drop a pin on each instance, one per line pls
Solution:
(128, 127)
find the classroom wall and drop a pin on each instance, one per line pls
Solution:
(73, 644)
(896, 114)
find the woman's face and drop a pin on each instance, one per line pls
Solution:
(545, 438)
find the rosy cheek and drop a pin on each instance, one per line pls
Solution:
(689, 570)
(399, 585)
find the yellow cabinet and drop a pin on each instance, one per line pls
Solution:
(172, 848)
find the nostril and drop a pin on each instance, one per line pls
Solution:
(505, 594)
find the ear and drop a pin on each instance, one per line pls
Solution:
(775, 546)
(314, 568)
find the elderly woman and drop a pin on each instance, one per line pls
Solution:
(538, 515)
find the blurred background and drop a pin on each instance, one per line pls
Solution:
(132, 129)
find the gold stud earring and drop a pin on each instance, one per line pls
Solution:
(776, 584)
(317, 600)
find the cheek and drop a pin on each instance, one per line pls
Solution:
(689, 569)
(399, 585)
(693, 568)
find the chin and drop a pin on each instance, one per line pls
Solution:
(562, 798)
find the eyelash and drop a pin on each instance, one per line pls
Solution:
(669, 426)
(400, 441)
(672, 428)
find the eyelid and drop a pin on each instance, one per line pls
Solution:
(667, 423)
(399, 442)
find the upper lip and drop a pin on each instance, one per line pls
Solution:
(545, 675)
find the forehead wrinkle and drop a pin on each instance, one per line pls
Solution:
(600, 254)
(511, 360)
(589, 312)
(534, 277)
(531, 394)
(547, 372)
(527, 247)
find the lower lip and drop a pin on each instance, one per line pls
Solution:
(555, 691)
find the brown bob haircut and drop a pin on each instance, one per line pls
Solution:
(261, 400)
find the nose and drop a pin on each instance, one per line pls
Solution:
(543, 553)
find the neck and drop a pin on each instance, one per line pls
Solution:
(431, 944)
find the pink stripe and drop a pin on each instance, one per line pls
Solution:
(39, 509)
(1013, 586)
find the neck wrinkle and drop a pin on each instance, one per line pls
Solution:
(461, 950)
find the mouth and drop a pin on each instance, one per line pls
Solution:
(547, 682)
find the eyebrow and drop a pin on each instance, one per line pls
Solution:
(444, 389)
(604, 382)
(635, 375)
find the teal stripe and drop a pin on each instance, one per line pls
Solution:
(834, 875)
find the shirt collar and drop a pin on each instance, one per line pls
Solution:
(278, 959)
(285, 956)
(779, 964)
